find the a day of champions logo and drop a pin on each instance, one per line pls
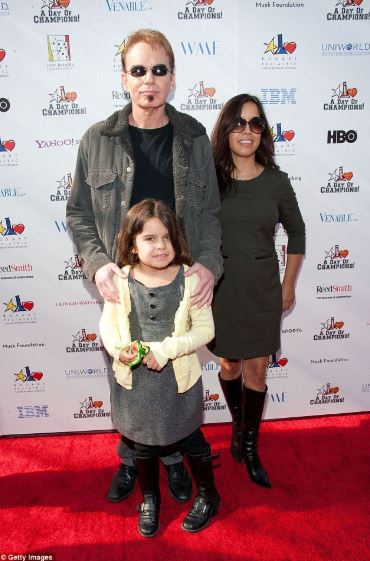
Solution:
(72, 269)
(91, 408)
(4, 72)
(277, 369)
(344, 98)
(340, 181)
(83, 342)
(200, 9)
(348, 10)
(27, 381)
(336, 258)
(12, 234)
(63, 103)
(279, 54)
(331, 330)
(16, 311)
(117, 61)
(64, 186)
(283, 140)
(59, 52)
(326, 395)
(8, 157)
(211, 402)
(201, 97)
(55, 11)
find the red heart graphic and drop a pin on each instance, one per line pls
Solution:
(348, 175)
(18, 228)
(343, 252)
(282, 361)
(71, 96)
(214, 397)
(9, 145)
(91, 336)
(63, 3)
(334, 390)
(97, 404)
(352, 92)
(288, 135)
(2, 54)
(28, 305)
(338, 324)
(37, 375)
(290, 47)
(210, 91)
(357, 2)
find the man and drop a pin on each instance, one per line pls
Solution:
(148, 149)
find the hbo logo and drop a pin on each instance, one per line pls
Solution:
(338, 137)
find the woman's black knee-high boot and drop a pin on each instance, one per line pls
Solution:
(253, 403)
(232, 390)
(148, 476)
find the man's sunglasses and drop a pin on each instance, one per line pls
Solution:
(256, 125)
(139, 71)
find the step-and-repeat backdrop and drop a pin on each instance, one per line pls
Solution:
(60, 72)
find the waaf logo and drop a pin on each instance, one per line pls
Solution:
(201, 97)
(344, 99)
(282, 139)
(348, 10)
(63, 103)
(12, 235)
(55, 11)
(199, 10)
(18, 311)
(340, 181)
(279, 54)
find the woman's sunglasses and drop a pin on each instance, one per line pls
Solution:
(256, 125)
(157, 70)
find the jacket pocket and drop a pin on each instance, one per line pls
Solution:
(102, 183)
(196, 188)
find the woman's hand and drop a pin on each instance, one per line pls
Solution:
(288, 294)
(150, 361)
(127, 355)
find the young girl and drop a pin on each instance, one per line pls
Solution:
(157, 404)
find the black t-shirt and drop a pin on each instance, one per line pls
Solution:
(153, 169)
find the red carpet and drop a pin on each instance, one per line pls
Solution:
(52, 496)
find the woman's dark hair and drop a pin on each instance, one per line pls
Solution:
(220, 141)
(133, 225)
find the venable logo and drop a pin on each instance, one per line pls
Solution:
(59, 52)
(340, 181)
(76, 373)
(331, 330)
(275, 96)
(55, 11)
(348, 10)
(336, 258)
(16, 271)
(279, 54)
(73, 269)
(344, 99)
(277, 368)
(211, 402)
(7, 192)
(27, 381)
(18, 311)
(138, 6)
(64, 186)
(199, 9)
(32, 411)
(57, 143)
(91, 408)
(83, 342)
(345, 49)
(344, 217)
(326, 395)
(200, 48)
(201, 97)
(12, 235)
(63, 103)
(283, 140)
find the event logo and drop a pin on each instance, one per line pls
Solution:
(12, 235)
(201, 97)
(344, 99)
(326, 395)
(281, 255)
(211, 402)
(63, 103)
(117, 61)
(199, 9)
(18, 311)
(73, 269)
(77, 373)
(64, 187)
(275, 96)
(336, 258)
(340, 181)
(279, 54)
(201, 48)
(136, 6)
(8, 158)
(91, 408)
(344, 217)
(283, 140)
(345, 49)
(13, 271)
(27, 381)
(277, 368)
(32, 411)
(4, 104)
(57, 143)
(331, 330)
(59, 52)
(348, 10)
(3, 65)
(55, 11)
(83, 342)
(332, 291)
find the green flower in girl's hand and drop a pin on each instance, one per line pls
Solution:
(139, 349)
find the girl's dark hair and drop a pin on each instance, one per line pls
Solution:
(133, 225)
(220, 141)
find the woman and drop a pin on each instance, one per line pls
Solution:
(249, 299)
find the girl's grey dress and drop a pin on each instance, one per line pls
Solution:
(153, 412)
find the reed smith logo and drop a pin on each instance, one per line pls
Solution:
(8, 157)
(277, 369)
(12, 235)
(344, 98)
(59, 52)
(279, 54)
(83, 342)
(349, 10)
(17, 311)
(283, 139)
(4, 72)
(64, 186)
(200, 9)
(340, 181)
(333, 291)
(13, 271)
(72, 269)
(90, 408)
(201, 97)
(331, 330)
(327, 395)
(55, 11)
(336, 258)
(211, 402)
(63, 103)
(28, 381)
